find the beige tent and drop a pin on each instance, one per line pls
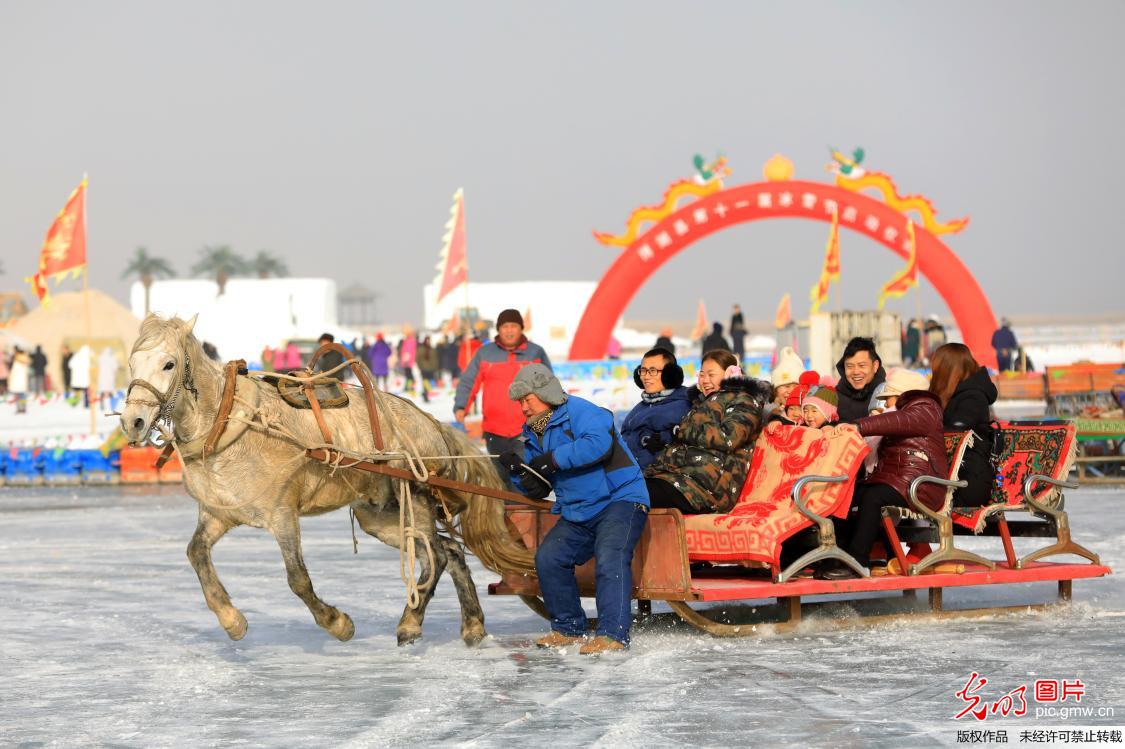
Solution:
(63, 321)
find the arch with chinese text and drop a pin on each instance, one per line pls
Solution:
(784, 199)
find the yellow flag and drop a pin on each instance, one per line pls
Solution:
(901, 282)
(818, 295)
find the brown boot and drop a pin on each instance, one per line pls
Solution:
(558, 640)
(602, 644)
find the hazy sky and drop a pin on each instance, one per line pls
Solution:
(333, 134)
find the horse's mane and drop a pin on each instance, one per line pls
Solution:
(156, 330)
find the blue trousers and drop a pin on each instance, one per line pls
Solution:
(609, 537)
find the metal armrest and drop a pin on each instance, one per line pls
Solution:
(918, 506)
(798, 489)
(946, 551)
(1039, 478)
(1057, 516)
(826, 532)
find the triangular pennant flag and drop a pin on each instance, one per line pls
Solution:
(453, 268)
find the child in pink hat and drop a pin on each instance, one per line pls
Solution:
(819, 407)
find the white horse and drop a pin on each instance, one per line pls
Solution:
(256, 477)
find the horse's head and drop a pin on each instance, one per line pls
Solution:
(160, 371)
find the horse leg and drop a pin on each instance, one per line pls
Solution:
(383, 525)
(286, 528)
(207, 533)
(472, 616)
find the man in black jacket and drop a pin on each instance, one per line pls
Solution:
(861, 371)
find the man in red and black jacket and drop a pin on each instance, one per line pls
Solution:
(491, 372)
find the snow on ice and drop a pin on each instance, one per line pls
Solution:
(107, 641)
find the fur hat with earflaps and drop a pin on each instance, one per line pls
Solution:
(536, 378)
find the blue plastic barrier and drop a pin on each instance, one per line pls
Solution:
(98, 468)
(61, 467)
(25, 467)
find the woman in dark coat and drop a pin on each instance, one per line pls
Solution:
(912, 445)
(966, 392)
(704, 466)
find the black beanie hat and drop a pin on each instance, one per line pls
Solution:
(509, 315)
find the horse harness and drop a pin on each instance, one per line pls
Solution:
(233, 369)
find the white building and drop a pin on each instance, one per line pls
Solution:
(555, 307)
(251, 314)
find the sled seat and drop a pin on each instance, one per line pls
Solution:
(774, 504)
(1033, 461)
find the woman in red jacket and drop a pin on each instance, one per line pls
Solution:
(912, 445)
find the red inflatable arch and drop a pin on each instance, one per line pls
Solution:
(783, 199)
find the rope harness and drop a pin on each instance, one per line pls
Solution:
(331, 455)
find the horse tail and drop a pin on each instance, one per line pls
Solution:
(484, 526)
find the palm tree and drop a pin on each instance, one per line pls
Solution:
(266, 265)
(149, 268)
(220, 262)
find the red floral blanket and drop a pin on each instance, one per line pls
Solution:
(765, 515)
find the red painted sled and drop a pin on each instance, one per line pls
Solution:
(799, 479)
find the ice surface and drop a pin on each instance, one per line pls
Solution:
(106, 640)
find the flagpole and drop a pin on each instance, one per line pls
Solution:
(86, 305)
(89, 346)
(467, 345)
(918, 312)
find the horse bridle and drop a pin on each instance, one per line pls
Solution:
(166, 400)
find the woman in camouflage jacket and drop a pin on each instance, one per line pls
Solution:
(702, 470)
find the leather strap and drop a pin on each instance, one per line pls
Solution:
(230, 380)
(401, 473)
(165, 455)
(368, 388)
(310, 393)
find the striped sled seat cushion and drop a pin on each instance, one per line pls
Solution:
(765, 515)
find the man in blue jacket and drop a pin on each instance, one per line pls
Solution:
(572, 447)
(664, 403)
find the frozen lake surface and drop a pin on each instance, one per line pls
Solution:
(106, 641)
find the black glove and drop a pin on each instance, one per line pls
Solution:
(512, 461)
(544, 464)
(652, 442)
(533, 486)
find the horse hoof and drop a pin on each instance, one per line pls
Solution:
(473, 635)
(342, 629)
(408, 637)
(237, 630)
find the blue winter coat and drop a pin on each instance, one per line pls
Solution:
(595, 466)
(654, 418)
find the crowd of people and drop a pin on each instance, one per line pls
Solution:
(24, 374)
(689, 448)
(433, 361)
